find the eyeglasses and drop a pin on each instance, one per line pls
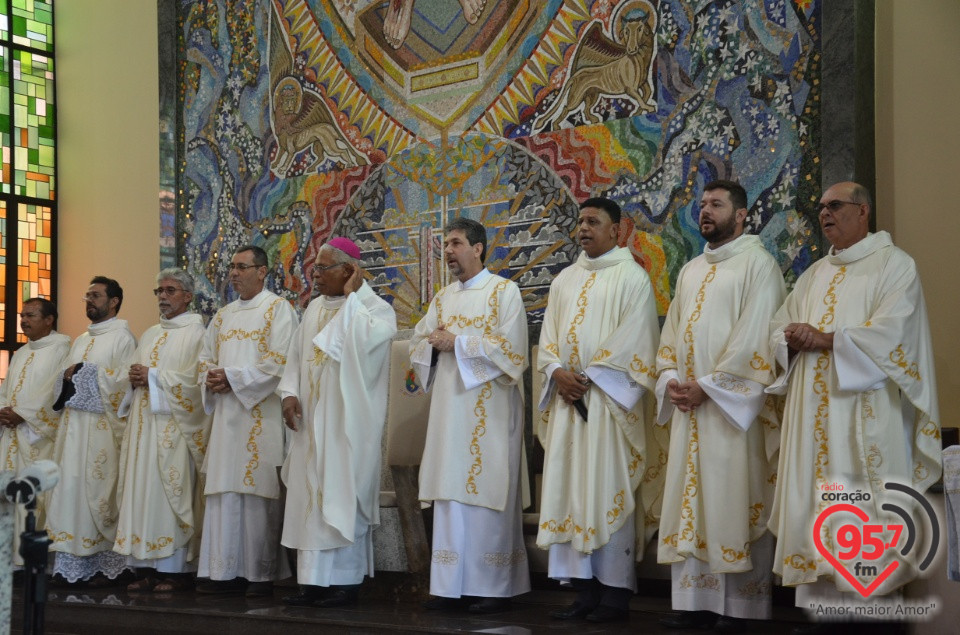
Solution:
(834, 206)
(241, 267)
(167, 291)
(92, 296)
(319, 269)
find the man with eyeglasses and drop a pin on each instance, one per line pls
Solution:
(714, 363)
(854, 356)
(334, 391)
(82, 515)
(163, 444)
(243, 358)
(28, 423)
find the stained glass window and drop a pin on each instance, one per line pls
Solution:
(28, 171)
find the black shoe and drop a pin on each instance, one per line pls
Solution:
(729, 625)
(606, 614)
(340, 597)
(690, 620)
(447, 604)
(491, 605)
(575, 611)
(307, 597)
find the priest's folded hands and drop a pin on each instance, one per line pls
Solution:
(217, 381)
(442, 339)
(806, 337)
(570, 385)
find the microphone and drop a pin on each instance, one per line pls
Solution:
(579, 404)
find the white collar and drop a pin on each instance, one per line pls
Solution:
(475, 281)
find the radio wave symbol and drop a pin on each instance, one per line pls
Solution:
(911, 529)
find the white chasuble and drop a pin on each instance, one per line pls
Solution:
(28, 389)
(473, 465)
(860, 415)
(337, 368)
(163, 445)
(721, 468)
(601, 319)
(476, 390)
(82, 516)
(249, 340)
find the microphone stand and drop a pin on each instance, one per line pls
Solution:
(34, 546)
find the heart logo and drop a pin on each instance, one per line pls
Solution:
(862, 515)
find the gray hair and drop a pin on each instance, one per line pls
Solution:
(181, 276)
(339, 257)
(861, 195)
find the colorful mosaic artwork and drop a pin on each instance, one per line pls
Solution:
(383, 120)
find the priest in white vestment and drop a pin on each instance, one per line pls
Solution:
(334, 391)
(244, 354)
(28, 423)
(163, 445)
(470, 350)
(82, 515)
(853, 351)
(714, 363)
(603, 462)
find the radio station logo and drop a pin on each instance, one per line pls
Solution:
(864, 544)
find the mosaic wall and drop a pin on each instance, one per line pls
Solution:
(301, 119)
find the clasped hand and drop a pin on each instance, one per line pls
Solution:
(139, 376)
(806, 337)
(9, 418)
(686, 396)
(217, 381)
(442, 339)
(570, 385)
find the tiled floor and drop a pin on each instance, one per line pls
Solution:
(114, 611)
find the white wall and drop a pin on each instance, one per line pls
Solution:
(918, 167)
(107, 108)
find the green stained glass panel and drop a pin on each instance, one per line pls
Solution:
(5, 123)
(32, 23)
(34, 126)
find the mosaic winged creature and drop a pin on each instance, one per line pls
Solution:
(602, 66)
(301, 118)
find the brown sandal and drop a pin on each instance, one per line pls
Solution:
(172, 585)
(143, 585)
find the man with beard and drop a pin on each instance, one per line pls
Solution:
(163, 444)
(714, 363)
(82, 516)
(852, 347)
(244, 354)
(470, 349)
(598, 352)
(28, 423)
(334, 392)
